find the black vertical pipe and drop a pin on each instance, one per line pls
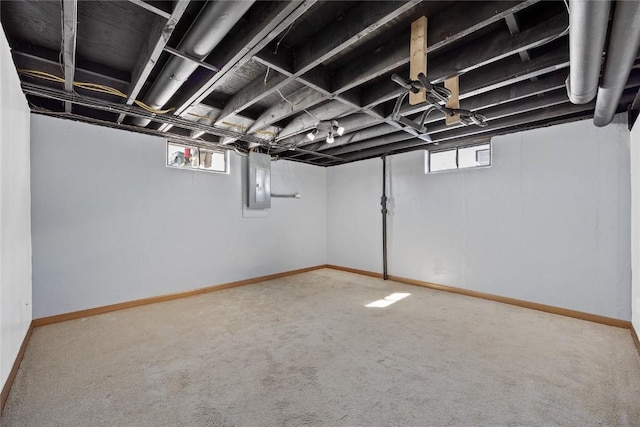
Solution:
(383, 203)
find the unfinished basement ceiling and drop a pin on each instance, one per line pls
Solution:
(263, 74)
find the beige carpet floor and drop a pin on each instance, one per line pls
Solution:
(305, 350)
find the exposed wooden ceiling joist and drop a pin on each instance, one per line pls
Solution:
(69, 34)
(267, 26)
(159, 36)
(285, 66)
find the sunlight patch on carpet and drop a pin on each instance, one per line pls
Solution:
(388, 300)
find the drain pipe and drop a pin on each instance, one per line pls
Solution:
(624, 42)
(588, 22)
(383, 203)
(212, 24)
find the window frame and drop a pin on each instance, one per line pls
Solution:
(227, 166)
(457, 149)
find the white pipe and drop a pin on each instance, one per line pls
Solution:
(210, 27)
(621, 53)
(588, 22)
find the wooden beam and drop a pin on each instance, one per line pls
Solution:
(549, 99)
(176, 52)
(511, 89)
(296, 102)
(150, 8)
(498, 46)
(255, 91)
(353, 137)
(503, 111)
(358, 22)
(517, 119)
(351, 123)
(151, 51)
(112, 107)
(303, 122)
(362, 20)
(495, 46)
(281, 62)
(440, 129)
(49, 57)
(514, 29)
(447, 27)
(393, 54)
(453, 84)
(512, 70)
(273, 21)
(510, 83)
(69, 31)
(508, 79)
(418, 57)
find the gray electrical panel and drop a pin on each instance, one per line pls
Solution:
(259, 181)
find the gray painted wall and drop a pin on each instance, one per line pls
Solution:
(635, 226)
(111, 223)
(15, 226)
(549, 222)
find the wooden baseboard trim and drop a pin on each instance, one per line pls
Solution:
(636, 338)
(355, 270)
(4, 395)
(105, 309)
(610, 321)
(43, 321)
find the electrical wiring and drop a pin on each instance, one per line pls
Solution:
(285, 99)
(234, 125)
(294, 105)
(282, 38)
(230, 124)
(95, 87)
(244, 128)
(266, 75)
(173, 138)
(200, 116)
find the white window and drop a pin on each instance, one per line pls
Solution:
(194, 158)
(458, 158)
(442, 160)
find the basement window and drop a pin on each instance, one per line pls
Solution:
(195, 158)
(464, 157)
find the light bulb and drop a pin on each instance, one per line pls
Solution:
(340, 130)
(330, 138)
(312, 135)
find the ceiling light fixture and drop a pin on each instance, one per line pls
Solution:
(312, 135)
(337, 128)
(332, 128)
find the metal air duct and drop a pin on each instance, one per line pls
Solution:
(621, 53)
(587, 33)
(210, 27)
